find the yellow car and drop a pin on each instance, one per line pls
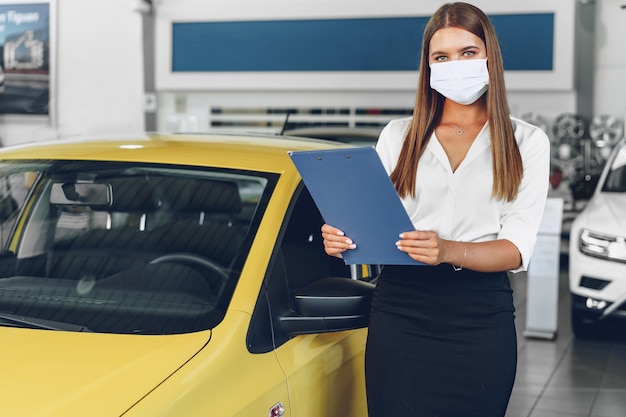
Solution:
(172, 275)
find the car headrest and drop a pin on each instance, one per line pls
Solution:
(195, 195)
(130, 195)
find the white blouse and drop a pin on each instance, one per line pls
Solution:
(458, 205)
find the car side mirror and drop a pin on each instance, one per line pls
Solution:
(329, 305)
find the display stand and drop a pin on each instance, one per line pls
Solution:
(543, 275)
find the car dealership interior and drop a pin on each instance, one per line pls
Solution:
(337, 70)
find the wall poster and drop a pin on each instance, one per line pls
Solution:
(25, 58)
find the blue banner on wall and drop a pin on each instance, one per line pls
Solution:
(364, 44)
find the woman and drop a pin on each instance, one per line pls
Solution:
(474, 181)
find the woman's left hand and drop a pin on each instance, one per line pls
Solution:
(423, 246)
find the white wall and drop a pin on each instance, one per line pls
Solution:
(97, 75)
(610, 58)
(100, 72)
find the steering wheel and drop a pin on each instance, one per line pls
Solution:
(190, 258)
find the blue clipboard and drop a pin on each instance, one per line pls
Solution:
(354, 193)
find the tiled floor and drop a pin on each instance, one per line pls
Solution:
(567, 377)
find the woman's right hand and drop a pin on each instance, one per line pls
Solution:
(335, 242)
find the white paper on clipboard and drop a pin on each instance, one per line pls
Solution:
(354, 193)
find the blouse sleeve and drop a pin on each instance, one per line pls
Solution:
(521, 217)
(390, 142)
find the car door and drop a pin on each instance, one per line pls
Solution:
(324, 370)
(325, 373)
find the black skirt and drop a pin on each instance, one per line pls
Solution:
(441, 343)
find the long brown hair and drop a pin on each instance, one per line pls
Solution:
(507, 161)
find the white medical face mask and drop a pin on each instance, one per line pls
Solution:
(463, 81)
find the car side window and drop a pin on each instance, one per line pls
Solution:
(298, 259)
(13, 191)
(616, 177)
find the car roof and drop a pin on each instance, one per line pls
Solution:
(253, 152)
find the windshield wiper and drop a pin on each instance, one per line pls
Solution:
(37, 323)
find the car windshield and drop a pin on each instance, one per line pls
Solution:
(616, 177)
(123, 248)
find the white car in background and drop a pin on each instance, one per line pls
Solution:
(597, 257)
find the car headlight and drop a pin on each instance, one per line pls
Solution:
(603, 246)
